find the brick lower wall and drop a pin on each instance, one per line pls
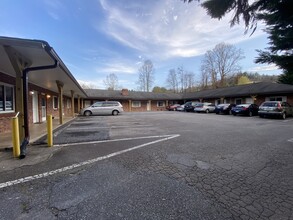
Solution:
(5, 122)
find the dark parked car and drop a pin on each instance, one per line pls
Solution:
(245, 109)
(224, 109)
(189, 106)
(275, 108)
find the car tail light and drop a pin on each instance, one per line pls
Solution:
(279, 107)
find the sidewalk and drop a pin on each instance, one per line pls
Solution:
(35, 154)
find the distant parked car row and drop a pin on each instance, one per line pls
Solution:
(266, 109)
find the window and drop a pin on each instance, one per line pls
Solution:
(6, 98)
(136, 104)
(87, 103)
(160, 104)
(238, 101)
(277, 98)
(68, 103)
(55, 102)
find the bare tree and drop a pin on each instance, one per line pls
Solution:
(204, 77)
(85, 85)
(146, 76)
(189, 82)
(180, 76)
(172, 81)
(111, 81)
(221, 62)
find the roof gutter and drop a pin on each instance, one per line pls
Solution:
(25, 73)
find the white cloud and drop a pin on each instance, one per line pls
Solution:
(53, 15)
(116, 67)
(263, 68)
(93, 84)
(174, 29)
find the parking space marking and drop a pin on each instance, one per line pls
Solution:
(287, 120)
(50, 173)
(115, 140)
(290, 140)
(99, 127)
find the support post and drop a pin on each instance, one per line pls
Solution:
(72, 103)
(222, 100)
(78, 103)
(81, 103)
(49, 130)
(129, 105)
(60, 90)
(253, 97)
(15, 137)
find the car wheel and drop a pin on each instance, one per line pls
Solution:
(250, 114)
(207, 111)
(234, 114)
(284, 115)
(87, 113)
(115, 112)
(217, 113)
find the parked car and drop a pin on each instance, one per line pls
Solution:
(180, 108)
(189, 106)
(245, 109)
(205, 107)
(275, 108)
(224, 108)
(103, 108)
(172, 107)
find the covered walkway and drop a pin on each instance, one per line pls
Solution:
(36, 132)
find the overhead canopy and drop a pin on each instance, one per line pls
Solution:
(35, 53)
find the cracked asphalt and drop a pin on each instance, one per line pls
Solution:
(220, 167)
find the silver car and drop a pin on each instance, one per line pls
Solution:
(275, 108)
(103, 108)
(205, 107)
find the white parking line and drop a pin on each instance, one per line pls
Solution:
(109, 127)
(290, 140)
(287, 120)
(50, 173)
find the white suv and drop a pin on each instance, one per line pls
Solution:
(103, 108)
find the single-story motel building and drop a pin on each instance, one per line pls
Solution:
(35, 82)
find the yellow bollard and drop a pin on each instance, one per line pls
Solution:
(49, 130)
(15, 137)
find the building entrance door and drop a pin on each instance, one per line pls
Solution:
(35, 107)
(43, 110)
(149, 105)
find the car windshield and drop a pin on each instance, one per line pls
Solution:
(97, 104)
(270, 104)
(243, 105)
(199, 105)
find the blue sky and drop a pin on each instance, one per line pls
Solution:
(97, 37)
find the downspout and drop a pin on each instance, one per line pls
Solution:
(25, 73)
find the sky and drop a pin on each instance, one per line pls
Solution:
(95, 38)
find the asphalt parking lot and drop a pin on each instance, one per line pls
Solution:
(159, 165)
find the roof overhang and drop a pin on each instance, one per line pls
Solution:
(36, 53)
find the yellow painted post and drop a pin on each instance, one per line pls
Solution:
(49, 130)
(15, 137)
